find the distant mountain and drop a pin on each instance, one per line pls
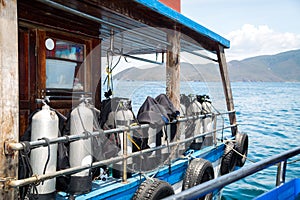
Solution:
(282, 67)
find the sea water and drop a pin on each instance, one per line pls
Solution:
(268, 112)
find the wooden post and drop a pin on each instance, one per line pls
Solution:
(124, 180)
(96, 72)
(227, 87)
(9, 96)
(173, 68)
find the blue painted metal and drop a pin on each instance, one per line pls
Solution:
(115, 189)
(181, 19)
(289, 190)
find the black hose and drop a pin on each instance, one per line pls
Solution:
(48, 158)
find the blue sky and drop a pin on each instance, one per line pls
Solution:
(254, 27)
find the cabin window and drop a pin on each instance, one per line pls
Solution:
(63, 63)
(60, 74)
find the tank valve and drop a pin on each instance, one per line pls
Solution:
(43, 101)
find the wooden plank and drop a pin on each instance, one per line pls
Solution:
(41, 15)
(32, 69)
(9, 95)
(41, 64)
(23, 65)
(24, 81)
(227, 87)
(173, 68)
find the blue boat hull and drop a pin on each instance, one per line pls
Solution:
(115, 189)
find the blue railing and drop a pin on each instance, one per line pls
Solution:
(220, 182)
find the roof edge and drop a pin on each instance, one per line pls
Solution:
(159, 7)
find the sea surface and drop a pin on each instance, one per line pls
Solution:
(268, 112)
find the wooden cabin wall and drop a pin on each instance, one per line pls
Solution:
(32, 70)
(27, 76)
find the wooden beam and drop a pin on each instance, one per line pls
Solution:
(9, 96)
(41, 64)
(173, 68)
(227, 87)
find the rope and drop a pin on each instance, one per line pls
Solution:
(189, 156)
(103, 173)
(110, 68)
(133, 124)
(291, 162)
(133, 142)
(294, 161)
(239, 153)
(147, 177)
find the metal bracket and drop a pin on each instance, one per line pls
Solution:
(5, 183)
(7, 149)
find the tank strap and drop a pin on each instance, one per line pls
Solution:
(26, 163)
(47, 140)
(25, 157)
(86, 132)
(124, 122)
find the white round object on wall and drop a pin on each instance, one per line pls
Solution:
(49, 43)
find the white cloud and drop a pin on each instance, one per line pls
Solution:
(253, 40)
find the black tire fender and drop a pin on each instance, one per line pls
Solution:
(152, 189)
(229, 158)
(241, 147)
(198, 171)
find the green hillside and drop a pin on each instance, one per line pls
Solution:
(282, 67)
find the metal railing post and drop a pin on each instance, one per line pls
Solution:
(215, 141)
(281, 170)
(125, 157)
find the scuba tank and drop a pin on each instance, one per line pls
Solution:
(124, 118)
(208, 120)
(195, 108)
(206, 109)
(182, 129)
(186, 129)
(154, 139)
(81, 150)
(43, 159)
